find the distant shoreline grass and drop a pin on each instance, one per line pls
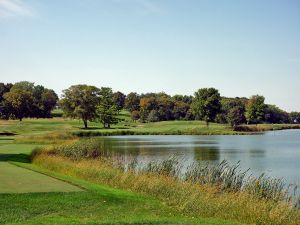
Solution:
(61, 126)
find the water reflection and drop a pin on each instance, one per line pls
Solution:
(275, 153)
(207, 154)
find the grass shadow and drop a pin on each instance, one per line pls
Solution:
(102, 128)
(7, 134)
(23, 158)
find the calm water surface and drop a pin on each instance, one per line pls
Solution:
(275, 153)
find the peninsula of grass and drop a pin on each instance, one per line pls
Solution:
(63, 126)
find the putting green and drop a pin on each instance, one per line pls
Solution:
(14, 179)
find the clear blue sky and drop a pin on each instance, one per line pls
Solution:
(177, 46)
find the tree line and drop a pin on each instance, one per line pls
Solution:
(24, 99)
(90, 103)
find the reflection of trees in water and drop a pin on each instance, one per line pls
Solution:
(149, 150)
(207, 153)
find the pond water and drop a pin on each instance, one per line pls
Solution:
(276, 153)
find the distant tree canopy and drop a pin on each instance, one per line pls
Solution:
(132, 102)
(80, 101)
(294, 117)
(119, 100)
(89, 103)
(275, 115)
(255, 109)
(206, 104)
(24, 99)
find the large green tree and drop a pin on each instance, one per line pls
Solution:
(255, 109)
(80, 101)
(44, 101)
(19, 102)
(107, 109)
(206, 104)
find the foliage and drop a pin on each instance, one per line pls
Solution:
(135, 115)
(23, 99)
(132, 102)
(294, 117)
(80, 101)
(153, 116)
(255, 109)
(275, 115)
(119, 100)
(19, 102)
(235, 112)
(107, 109)
(206, 104)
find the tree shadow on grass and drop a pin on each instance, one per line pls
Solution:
(23, 158)
(102, 128)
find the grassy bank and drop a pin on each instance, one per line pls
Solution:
(96, 205)
(206, 193)
(93, 204)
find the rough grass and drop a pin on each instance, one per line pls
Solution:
(191, 199)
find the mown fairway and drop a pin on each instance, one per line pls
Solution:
(15, 179)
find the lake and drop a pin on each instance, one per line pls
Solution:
(276, 153)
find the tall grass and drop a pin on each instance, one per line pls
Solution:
(221, 191)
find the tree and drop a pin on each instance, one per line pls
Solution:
(206, 104)
(166, 106)
(44, 101)
(4, 109)
(135, 115)
(48, 102)
(236, 116)
(233, 111)
(132, 102)
(294, 117)
(119, 99)
(153, 116)
(255, 109)
(19, 102)
(180, 110)
(107, 109)
(80, 101)
(273, 114)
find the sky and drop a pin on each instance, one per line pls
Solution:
(240, 47)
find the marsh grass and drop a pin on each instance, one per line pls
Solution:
(220, 191)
